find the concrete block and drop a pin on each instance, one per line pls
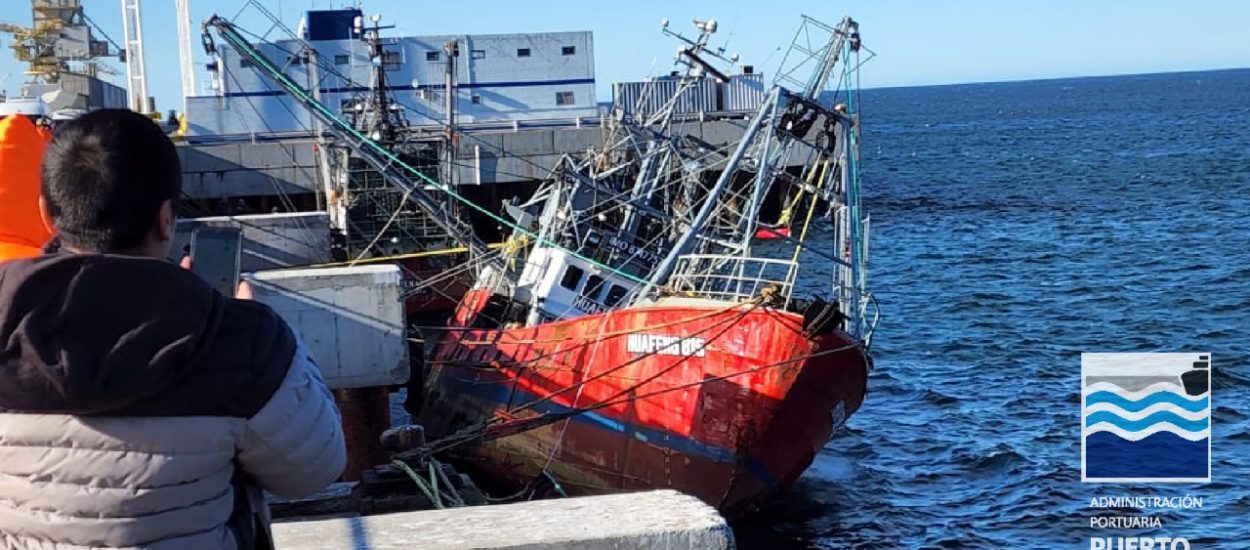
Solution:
(657, 519)
(577, 140)
(529, 142)
(206, 159)
(270, 241)
(351, 319)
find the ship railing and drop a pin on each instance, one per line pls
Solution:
(734, 278)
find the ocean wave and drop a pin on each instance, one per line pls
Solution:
(1140, 413)
(1143, 423)
(1134, 395)
(1163, 427)
(1146, 401)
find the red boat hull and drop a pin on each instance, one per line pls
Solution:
(440, 297)
(732, 414)
(771, 233)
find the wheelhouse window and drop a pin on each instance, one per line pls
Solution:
(594, 284)
(477, 54)
(568, 50)
(572, 276)
(615, 294)
(341, 59)
(523, 52)
(564, 98)
(431, 56)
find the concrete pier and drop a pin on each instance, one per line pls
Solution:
(289, 166)
(656, 519)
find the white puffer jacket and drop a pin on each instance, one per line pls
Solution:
(147, 415)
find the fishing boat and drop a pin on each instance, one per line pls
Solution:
(641, 336)
(634, 331)
(374, 219)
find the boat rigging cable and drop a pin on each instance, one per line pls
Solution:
(478, 432)
(385, 161)
(655, 135)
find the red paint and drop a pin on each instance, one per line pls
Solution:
(766, 419)
(443, 295)
(772, 233)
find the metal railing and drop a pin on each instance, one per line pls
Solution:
(734, 278)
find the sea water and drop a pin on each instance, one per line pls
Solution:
(1015, 226)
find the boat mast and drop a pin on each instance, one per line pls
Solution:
(683, 244)
(452, 50)
(393, 168)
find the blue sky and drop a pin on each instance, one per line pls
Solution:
(917, 42)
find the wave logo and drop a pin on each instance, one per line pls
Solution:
(1146, 417)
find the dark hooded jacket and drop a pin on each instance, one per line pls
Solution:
(141, 408)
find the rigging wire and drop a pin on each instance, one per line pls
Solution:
(296, 89)
(466, 436)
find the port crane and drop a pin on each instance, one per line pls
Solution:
(60, 39)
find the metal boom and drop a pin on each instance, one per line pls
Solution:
(395, 170)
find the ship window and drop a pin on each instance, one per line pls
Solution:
(572, 276)
(245, 63)
(523, 52)
(391, 61)
(564, 98)
(476, 99)
(593, 285)
(615, 295)
(341, 59)
(568, 50)
(431, 56)
(478, 54)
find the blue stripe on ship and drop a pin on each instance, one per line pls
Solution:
(500, 394)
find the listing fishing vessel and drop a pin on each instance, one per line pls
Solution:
(634, 331)
(636, 310)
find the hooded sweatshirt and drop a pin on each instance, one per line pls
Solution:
(141, 408)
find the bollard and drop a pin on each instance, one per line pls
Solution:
(366, 414)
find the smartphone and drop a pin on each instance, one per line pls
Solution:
(215, 256)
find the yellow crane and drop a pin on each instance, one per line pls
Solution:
(60, 39)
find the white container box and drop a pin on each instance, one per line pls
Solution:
(351, 319)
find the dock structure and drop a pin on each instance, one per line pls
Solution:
(656, 519)
(526, 154)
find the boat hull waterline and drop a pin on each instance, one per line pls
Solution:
(727, 402)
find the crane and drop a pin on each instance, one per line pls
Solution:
(60, 39)
(136, 71)
(183, 11)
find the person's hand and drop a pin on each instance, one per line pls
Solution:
(243, 292)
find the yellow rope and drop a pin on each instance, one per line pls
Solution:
(423, 254)
(811, 211)
(788, 211)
